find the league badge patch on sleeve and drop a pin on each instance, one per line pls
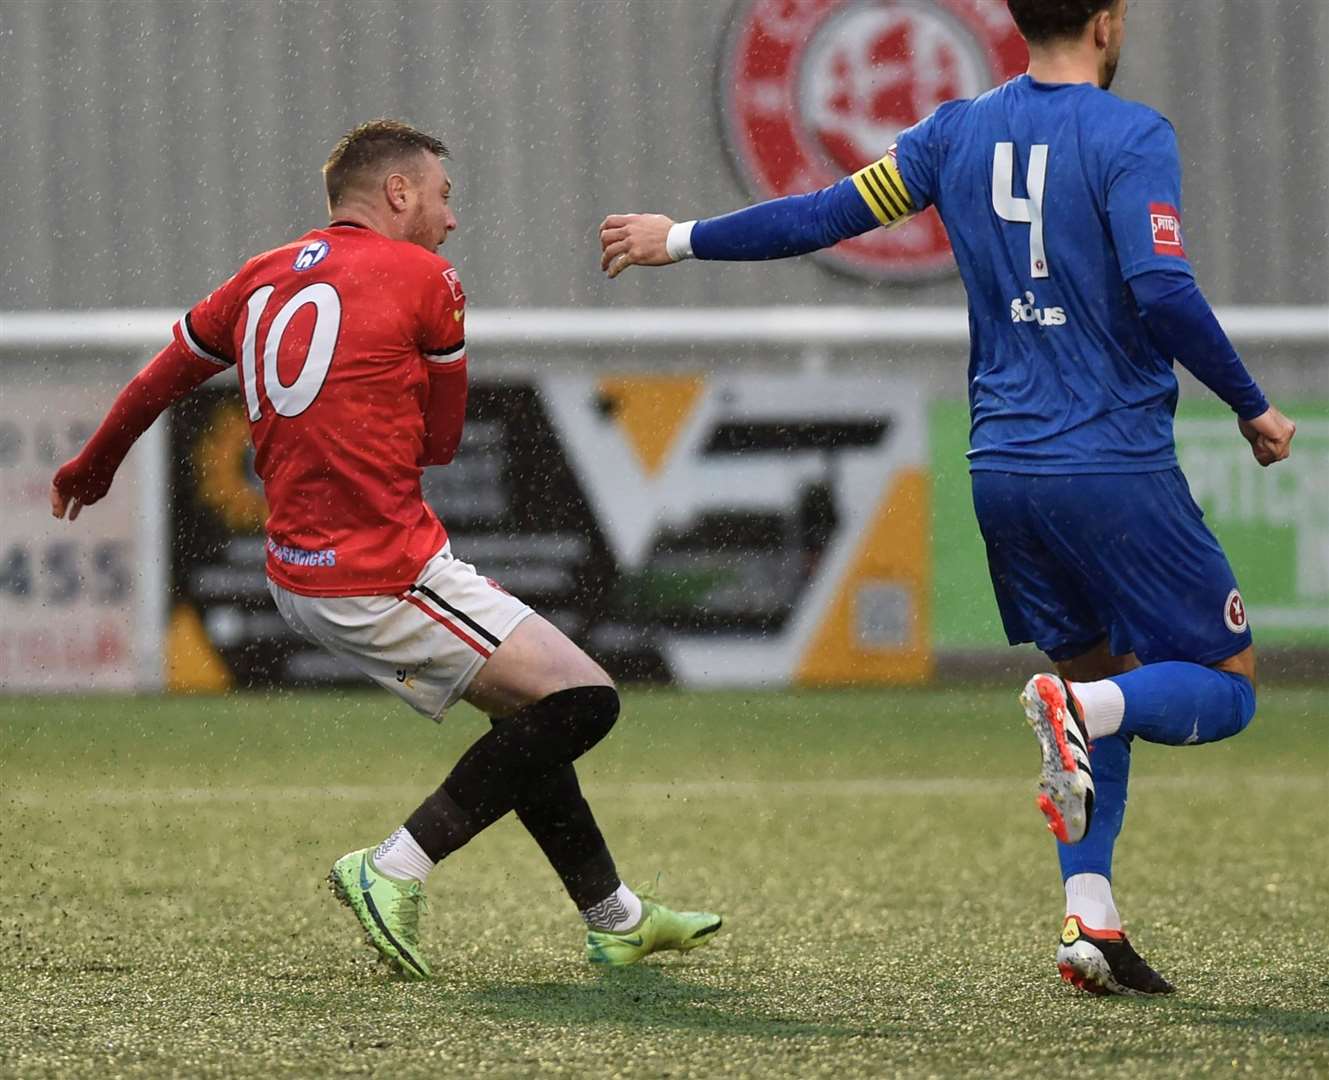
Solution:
(1166, 225)
(1234, 612)
(454, 285)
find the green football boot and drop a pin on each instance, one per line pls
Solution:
(660, 928)
(388, 909)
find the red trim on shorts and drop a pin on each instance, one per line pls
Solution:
(447, 625)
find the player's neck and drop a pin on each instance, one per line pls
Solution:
(366, 218)
(1063, 65)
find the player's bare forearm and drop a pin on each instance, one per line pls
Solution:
(1270, 435)
(634, 240)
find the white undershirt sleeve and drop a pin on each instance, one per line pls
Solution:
(678, 244)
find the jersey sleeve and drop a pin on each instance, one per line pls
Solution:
(1143, 201)
(1182, 326)
(884, 190)
(172, 373)
(785, 227)
(443, 343)
(206, 329)
(443, 319)
(918, 159)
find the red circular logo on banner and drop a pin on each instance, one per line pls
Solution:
(812, 90)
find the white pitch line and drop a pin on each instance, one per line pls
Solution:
(950, 787)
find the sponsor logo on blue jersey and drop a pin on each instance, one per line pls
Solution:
(311, 255)
(1027, 310)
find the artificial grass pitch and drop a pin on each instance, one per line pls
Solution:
(890, 896)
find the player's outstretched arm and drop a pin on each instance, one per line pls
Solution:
(169, 376)
(776, 229)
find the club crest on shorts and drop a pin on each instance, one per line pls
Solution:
(1234, 612)
(813, 90)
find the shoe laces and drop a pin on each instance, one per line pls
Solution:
(407, 905)
(650, 890)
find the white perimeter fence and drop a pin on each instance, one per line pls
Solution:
(1287, 345)
(816, 327)
(87, 607)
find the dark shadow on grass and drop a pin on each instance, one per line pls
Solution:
(651, 998)
(1257, 1019)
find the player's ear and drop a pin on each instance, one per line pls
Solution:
(397, 189)
(1103, 28)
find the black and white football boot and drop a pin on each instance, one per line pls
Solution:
(1066, 784)
(1103, 962)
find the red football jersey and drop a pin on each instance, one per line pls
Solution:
(330, 336)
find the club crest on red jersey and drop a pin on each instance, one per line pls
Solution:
(1165, 223)
(311, 255)
(1234, 612)
(812, 90)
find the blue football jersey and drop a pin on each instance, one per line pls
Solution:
(1054, 196)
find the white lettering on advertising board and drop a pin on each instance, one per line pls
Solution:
(79, 601)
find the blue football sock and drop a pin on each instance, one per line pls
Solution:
(1180, 704)
(1110, 758)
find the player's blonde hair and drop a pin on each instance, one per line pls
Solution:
(371, 147)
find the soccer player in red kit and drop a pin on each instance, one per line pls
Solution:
(351, 353)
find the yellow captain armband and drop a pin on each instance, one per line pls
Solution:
(883, 190)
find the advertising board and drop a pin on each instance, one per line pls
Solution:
(756, 529)
(79, 601)
(1273, 523)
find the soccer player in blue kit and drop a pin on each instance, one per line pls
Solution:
(1062, 204)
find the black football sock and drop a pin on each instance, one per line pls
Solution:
(556, 814)
(516, 754)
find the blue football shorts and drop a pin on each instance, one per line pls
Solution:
(1075, 559)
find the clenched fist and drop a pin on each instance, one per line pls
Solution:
(1270, 435)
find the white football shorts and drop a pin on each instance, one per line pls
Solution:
(425, 644)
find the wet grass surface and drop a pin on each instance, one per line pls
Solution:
(891, 903)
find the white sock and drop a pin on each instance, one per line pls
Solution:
(1102, 705)
(399, 856)
(619, 911)
(1089, 896)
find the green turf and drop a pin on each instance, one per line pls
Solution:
(891, 900)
